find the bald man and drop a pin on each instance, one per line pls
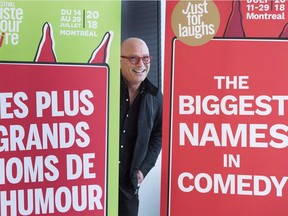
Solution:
(140, 123)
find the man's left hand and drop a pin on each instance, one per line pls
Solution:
(140, 177)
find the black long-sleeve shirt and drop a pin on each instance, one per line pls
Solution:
(140, 134)
(128, 132)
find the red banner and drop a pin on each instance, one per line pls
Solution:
(53, 136)
(225, 109)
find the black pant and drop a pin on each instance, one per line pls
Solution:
(128, 206)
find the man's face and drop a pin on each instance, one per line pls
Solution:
(134, 73)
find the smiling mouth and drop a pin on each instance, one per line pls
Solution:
(139, 71)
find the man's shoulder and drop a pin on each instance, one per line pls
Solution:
(151, 88)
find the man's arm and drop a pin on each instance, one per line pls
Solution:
(155, 142)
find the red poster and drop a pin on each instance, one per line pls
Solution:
(53, 139)
(225, 109)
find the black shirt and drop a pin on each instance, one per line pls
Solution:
(128, 132)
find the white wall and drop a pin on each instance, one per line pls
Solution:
(149, 193)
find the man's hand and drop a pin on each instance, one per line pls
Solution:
(140, 177)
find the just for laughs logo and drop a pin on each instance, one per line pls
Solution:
(195, 22)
